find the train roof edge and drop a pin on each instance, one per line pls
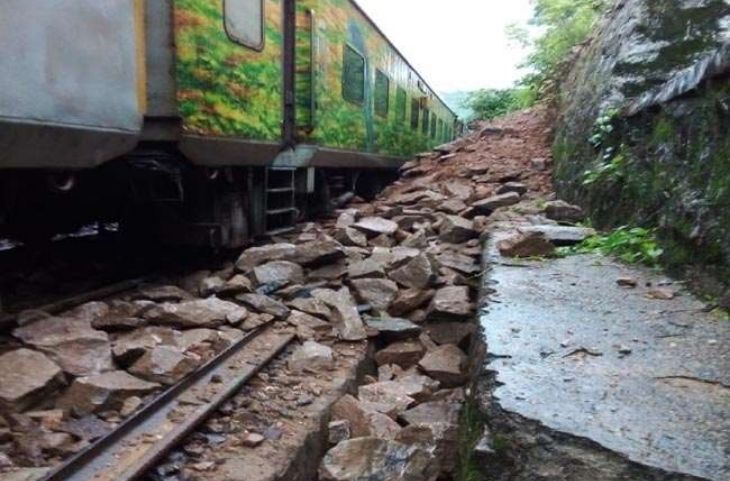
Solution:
(405, 59)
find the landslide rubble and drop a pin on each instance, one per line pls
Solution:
(401, 273)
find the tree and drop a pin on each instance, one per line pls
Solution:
(562, 25)
(487, 104)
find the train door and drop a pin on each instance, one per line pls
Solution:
(306, 47)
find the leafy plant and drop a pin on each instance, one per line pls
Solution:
(612, 170)
(634, 245)
(603, 127)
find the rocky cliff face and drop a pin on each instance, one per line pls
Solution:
(644, 129)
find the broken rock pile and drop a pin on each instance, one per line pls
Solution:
(402, 272)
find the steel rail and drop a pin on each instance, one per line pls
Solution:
(8, 321)
(144, 439)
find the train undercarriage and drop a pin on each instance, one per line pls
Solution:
(156, 195)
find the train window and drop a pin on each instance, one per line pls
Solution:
(353, 76)
(426, 120)
(244, 22)
(415, 113)
(433, 127)
(401, 99)
(382, 94)
(440, 131)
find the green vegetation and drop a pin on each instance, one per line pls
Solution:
(563, 24)
(487, 104)
(633, 245)
(472, 425)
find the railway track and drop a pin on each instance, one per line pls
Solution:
(144, 439)
(8, 321)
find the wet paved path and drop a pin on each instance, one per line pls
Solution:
(648, 379)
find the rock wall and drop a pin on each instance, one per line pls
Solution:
(643, 135)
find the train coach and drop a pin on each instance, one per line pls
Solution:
(202, 122)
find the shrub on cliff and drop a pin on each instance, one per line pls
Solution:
(561, 25)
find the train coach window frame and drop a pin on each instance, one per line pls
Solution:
(401, 104)
(242, 33)
(426, 125)
(381, 93)
(433, 127)
(415, 113)
(349, 55)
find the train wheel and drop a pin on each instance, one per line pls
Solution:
(368, 185)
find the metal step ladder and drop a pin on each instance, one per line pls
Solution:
(280, 195)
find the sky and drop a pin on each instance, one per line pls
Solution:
(456, 45)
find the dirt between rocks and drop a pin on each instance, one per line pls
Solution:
(400, 274)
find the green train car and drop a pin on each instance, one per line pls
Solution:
(200, 121)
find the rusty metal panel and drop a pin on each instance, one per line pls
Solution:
(66, 66)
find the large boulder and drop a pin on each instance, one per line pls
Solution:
(344, 313)
(417, 273)
(379, 293)
(349, 236)
(459, 189)
(311, 305)
(457, 333)
(260, 255)
(561, 211)
(490, 204)
(366, 268)
(388, 397)
(373, 459)
(363, 421)
(26, 376)
(433, 412)
(461, 263)
(456, 230)
(439, 438)
(278, 272)
(414, 386)
(404, 354)
(312, 356)
(409, 300)
(560, 235)
(375, 226)
(209, 312)
(131, 346)
(394, 329)
(307, 321)
(526, 244)
(77, 347)
(451, 303)
(318, 253)
(165, 365)
(104, 391)
(201, 340)
(264, 304)
(446, 364)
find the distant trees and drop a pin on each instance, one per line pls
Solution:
(556, 27)
(487, 104)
